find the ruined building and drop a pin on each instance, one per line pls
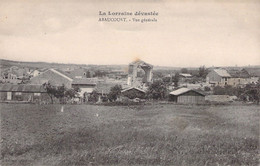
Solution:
(132, 73)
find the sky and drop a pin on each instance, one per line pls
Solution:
(188, 33)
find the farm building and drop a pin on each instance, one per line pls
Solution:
(189, 96)
(133, 92)
(53, 76)
(85, 85)
(23, 92)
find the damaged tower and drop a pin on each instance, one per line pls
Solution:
(132, 73)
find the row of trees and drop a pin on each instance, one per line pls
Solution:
(60, 92)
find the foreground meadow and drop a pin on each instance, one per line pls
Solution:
(129, 135)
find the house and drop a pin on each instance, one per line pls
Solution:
(187, 96)
(37, 72)
(14, 75)
(54, 77)
(218, 77)
(85, 85)
(23, 92)
(231, 77)
(133, 92)
(254, 74)
(238, 77)
(80, 73)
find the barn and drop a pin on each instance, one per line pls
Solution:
(187, 96)
(23, 92)
(133, 92)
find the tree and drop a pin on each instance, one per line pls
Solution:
(55, 91)
(88, 75)
(72, 93)
(176, 79)
(203, 72)
(114, 93)
(51, 90)
(157, 90)
(93, 96)
(253, 92)
(184, 70)
(60, 92)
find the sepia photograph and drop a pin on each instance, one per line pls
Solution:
(129, 83)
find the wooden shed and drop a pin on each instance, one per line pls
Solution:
(188, 96)
(23, 92)
(133, 92)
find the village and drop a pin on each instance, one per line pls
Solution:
(138, 82)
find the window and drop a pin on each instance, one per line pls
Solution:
(225, 79)
(37, 94)
(18, 93)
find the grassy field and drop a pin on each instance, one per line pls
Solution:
(159, 134)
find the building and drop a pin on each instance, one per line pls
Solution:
(218, 77)
(133, 92)
(23, 92)
(54, 77)
(238, 78)
(254, 74)
(133, 70)
(231, 77)
(85, 86)
(187, 96)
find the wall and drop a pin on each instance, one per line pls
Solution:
(213, 77)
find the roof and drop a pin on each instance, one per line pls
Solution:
(104, 87)
(83, 81)
(21, 88)
(184, 90)
(62, 73)
(185, 75)
(238, 73)
(254, 72)
(222, 72)
(141, 90)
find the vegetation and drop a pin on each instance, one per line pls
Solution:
(155, 134)
(251, 92)
(176, 79)
(157, 90)
(93, 97)
(60, 92)
(114, 93)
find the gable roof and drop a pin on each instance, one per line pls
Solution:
(62, 73)
(222, 72)
(184, 90)
(238, 73)
(141, 90)
(253, 72)
(83, 81)
(21, 88)
(185, 75)
(104, 87)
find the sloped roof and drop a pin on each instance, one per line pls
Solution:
(83, 81)
(21, 88)
(185, 75)
(63, 73)
(222, 72)
(254, 72)
(184, 90)
(238, 73)
(133, 88)
(104, 87)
